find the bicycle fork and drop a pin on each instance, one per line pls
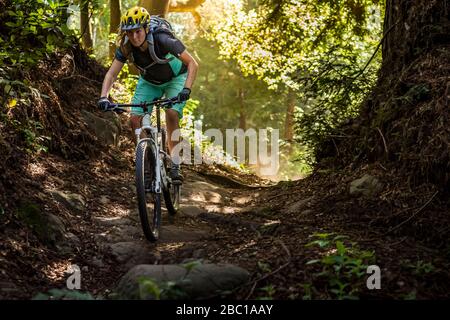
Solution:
(152, 140)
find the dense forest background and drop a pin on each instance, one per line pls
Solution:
(302, 68)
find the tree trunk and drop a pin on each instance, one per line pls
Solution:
(85, 25)
(65, 13)
(410, 27)
(156, 7)
(242, 115)
(405, 119)
(114, 22)
(185, 5)
(163, 7)
(188, 6)
(207, 77)
(289, 121)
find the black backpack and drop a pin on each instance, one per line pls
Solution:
(156, 25)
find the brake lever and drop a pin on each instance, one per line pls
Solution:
(170, 102)
(118, 110)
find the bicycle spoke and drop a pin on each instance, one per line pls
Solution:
(145, 180)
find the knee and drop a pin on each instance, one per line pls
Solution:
(135, 121)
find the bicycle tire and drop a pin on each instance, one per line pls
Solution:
(172, 193)
(145, 159)
(172, 198)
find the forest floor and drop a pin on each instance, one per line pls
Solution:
(226, 217)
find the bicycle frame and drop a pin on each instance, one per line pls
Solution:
(154, 133)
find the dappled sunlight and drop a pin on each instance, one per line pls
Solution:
(206, 196)
(36, 169)
(245, 246)
(271, 222)
(222, 209)
(171, 247)
(330, 252)
(111, 220)
(243, 200)
(199, 197)
(57, 270)
(119, 211)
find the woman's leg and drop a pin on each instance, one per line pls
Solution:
(173, 117)
(135, 121)
(172, 122)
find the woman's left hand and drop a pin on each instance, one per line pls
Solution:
(184, 94)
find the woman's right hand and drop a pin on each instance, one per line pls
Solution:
(103, 104)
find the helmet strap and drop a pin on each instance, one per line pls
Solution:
(145, 39)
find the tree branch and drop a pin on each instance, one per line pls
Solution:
(187, 6)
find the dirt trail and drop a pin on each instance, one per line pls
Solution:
(211, 201)
(205, 204)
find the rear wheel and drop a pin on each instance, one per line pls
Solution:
(172, 198)
(172, 192)
(149, 202)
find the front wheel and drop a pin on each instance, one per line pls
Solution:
(149, 202)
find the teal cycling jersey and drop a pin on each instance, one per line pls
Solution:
(166, 46)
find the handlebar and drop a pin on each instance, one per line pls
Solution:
(165, 103)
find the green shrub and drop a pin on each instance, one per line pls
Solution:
(32, 30)
(343, 266)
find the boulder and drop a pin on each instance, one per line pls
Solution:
(130, 253)
(106, 129)
(72, 201)
(48, 228)
(189, 281)
(297, 206)
(367, 186)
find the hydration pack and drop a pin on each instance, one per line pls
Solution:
(156, 25)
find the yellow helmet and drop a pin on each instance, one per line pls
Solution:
(134, 18)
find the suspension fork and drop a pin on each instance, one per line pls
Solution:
(152, 140)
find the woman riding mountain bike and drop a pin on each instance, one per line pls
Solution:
(166, 69)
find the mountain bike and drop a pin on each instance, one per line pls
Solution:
(152, 165)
